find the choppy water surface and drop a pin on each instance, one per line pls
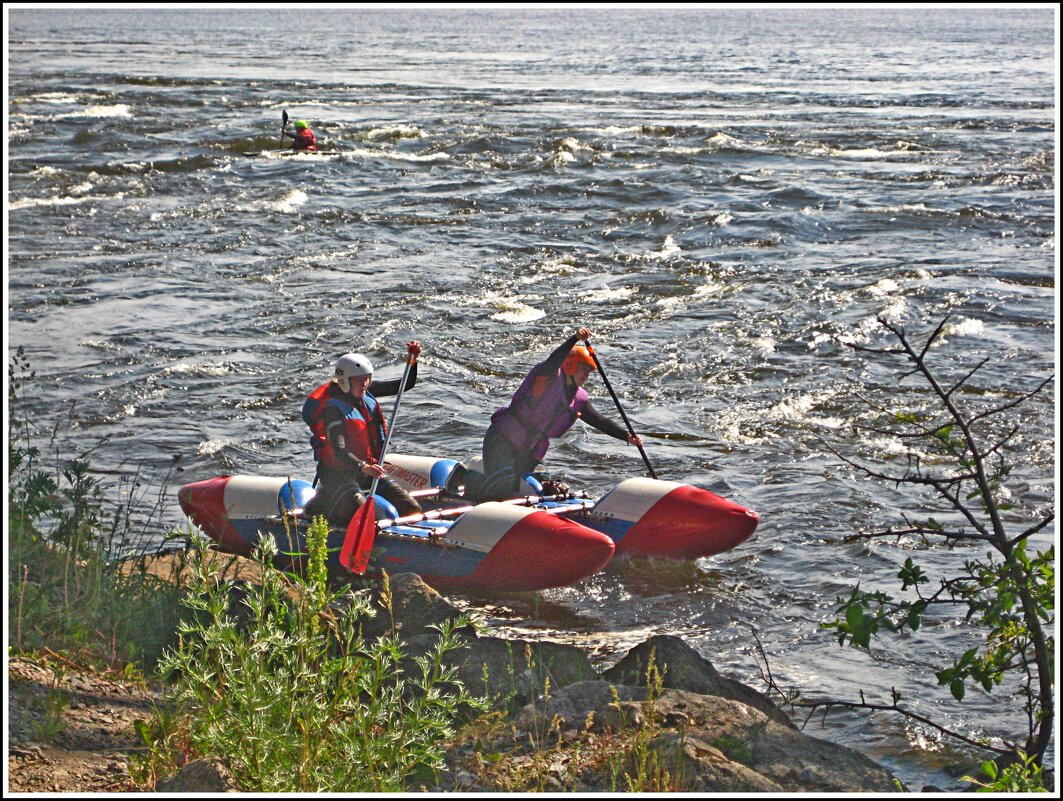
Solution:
(718, 194)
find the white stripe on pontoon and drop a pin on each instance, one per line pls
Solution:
(631, 499)
(247, 497)
(413, 472)
(480, 529)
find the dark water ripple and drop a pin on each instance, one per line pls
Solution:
(717, 194)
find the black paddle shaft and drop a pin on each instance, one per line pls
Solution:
(394, 414)
(284, 124)
(619, 408)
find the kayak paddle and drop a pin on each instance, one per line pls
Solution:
(361, 531)
(619, 408)
(284, 125)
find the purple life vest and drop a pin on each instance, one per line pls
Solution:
(529, 423)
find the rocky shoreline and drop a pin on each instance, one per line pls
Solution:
(564, 727)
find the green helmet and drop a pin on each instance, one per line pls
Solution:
(300, 125)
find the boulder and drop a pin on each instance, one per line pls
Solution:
(780, 753)
(702, 768)
(683, 668)
(414, 607)
(710, 744)
(513, 671)
(199, 776)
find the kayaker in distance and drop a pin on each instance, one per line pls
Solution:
(347, 433)
(303, 137)
(545, 406)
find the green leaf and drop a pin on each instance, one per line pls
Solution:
(914, 618)
(957, 688)
(144, 731)
(862, 638)
(854, 616)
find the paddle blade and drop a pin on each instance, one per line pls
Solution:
(358, 542)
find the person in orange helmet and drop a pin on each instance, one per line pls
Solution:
(549, 400)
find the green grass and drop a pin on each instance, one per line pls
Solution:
(297, 700)
(69, 591)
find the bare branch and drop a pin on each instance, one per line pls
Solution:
(864, 469)
(925, 432)
(950, 586)
(865, 349)
(1012, 404)
(984, 465)
(963, 380)
(827, 704)
(986, 454)
(889, 432)
(961, 507)
(940, 485)
(1033, 530)
(871, 403)
(769, 679)
(930, 341)
(921, 531)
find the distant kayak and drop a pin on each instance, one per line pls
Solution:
(270, 154)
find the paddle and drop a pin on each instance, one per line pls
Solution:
(619, 408)
(361, 531)
(284, 125)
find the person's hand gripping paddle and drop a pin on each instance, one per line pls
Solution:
(361, 531)
(619, 408)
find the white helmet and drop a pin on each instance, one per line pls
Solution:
(351, 365)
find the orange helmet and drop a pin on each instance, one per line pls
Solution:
(577, 356)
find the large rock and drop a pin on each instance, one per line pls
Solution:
(702, 768)
(513, 671)
(199, 776)
(713, 744)
(414, 607)
(683, 668)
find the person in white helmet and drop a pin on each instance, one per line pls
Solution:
(347, 433)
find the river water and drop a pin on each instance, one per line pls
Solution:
(721, 195)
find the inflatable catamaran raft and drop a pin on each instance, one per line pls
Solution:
(528, 543)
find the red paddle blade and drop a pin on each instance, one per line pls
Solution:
(358, 542)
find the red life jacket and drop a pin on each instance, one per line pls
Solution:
(530, 423)
(304, 140)
(364, 433)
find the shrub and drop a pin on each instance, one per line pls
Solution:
(298, 701)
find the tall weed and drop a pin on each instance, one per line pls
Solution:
(297, 700)
(641, 763)
(72, 591)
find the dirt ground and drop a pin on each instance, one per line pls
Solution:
(71, 730)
